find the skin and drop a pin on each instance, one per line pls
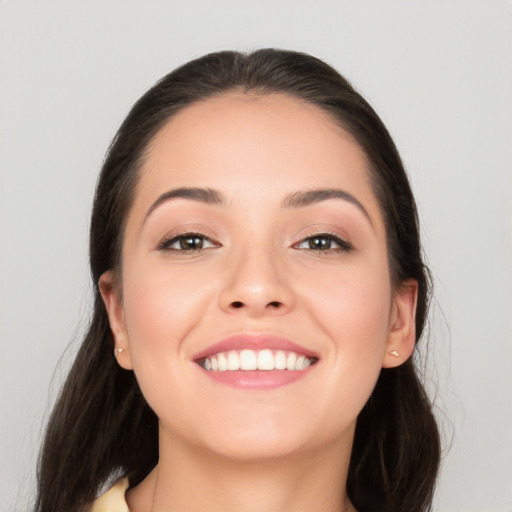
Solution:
(283, 449)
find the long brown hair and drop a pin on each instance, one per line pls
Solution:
(102, 426)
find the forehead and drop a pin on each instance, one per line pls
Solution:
(252, 115)
(254, 146)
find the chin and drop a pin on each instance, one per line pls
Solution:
(268, 438)
(257, 448)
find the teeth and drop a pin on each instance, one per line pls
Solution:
(248, 360)
(280, 360)
(223, 362)
(257, 360)
(291, 360)
(233, 361)
(265, 360)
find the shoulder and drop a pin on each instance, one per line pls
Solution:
(113, 500)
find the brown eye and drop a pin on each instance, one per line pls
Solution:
(191, 243)
(325, 242)
(187, 242)
(320, 243)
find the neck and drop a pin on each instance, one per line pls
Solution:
(188, 479)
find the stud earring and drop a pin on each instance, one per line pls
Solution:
(394, 353)
(117, 351)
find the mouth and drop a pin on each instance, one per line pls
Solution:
(250, 360)
(256, 361)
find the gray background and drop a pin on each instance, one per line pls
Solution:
(438, 72)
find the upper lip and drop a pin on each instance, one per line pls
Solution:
(254, 342)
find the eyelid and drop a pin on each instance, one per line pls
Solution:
(344, 244)
(167, 241)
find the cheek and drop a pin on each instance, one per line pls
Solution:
(161, 309)
(159, 302)
(352, 303)
(353, 308)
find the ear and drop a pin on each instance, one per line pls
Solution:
(111, 296)
(402, 327)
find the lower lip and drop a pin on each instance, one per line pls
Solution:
(257, 379)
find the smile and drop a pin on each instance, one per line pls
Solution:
(265, 360)
(256, 361)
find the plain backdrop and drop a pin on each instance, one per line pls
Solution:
(438, 72)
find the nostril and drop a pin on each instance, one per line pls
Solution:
(237, 304)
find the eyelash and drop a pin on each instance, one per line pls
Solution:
(166, 244)
(343, 245)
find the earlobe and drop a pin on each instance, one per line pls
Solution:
(402, 329)
(113, 304)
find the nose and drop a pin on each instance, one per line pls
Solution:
(256, 285)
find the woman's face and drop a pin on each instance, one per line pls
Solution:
(255, 239)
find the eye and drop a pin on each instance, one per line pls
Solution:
(324, 242)
(187, 242)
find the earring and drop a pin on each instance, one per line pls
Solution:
(394, 353)
(117, 351)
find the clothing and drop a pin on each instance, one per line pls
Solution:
(113, 500)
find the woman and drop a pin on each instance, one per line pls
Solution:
(258, 276)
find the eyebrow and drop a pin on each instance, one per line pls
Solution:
(297, 199)
(201, 195)
(307, 197)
